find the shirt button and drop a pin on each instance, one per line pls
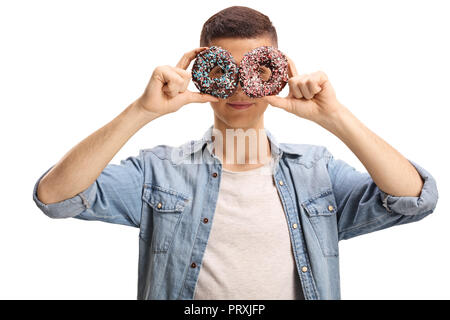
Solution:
(294, 226)
(193, 265)
(159, 205)
(280, 182)
(304, 269)
(330, 208)
(214, 174)
(205, 220)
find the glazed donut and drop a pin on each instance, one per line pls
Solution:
(222, 87)
(252, 83)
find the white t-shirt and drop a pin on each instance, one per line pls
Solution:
(249, 253)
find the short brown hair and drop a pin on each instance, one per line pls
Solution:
(237, 22)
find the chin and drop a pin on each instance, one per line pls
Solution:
(240, 123)
(238, 118)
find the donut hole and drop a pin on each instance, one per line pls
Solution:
(216, 72)
(264, 72)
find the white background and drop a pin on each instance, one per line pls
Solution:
(69, 67)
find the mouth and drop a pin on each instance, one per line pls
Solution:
(240, 105)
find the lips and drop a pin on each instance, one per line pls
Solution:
(240, 105)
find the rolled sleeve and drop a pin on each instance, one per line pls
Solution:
(363, 208)
(114, 197)
(425, 202)
(67, 208)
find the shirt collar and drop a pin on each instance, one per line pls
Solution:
(196, 145)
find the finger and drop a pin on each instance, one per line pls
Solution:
(197, 97)
(292, 70)
(320, 78)
(278, 102)
(183, 73)
(172, 88)
(304, 87)
(186, 59)
(186, 75)
(313, 86)
(169, 92)
(294, 89)
(173, 82)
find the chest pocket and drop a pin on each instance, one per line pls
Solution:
(321, 211)
(165, 208)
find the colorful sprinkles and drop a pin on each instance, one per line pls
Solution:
(222, 87)
(247, 74)
(252, 83)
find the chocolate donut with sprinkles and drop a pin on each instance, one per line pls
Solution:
(252, 83)
(223, 86)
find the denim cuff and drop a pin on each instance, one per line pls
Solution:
(66, 208)
(424, 203)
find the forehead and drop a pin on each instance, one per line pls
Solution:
(238, 47)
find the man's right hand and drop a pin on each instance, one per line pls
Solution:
(167, 91)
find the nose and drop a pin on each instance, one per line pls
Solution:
(239, 91)
(239, 85)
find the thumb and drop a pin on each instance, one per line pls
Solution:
(277, 101)
(193, 97)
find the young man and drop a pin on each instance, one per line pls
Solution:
(238, 229)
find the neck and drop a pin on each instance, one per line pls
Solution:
(241, 148)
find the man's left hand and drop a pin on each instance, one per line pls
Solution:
(311, 96)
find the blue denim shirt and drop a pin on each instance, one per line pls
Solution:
(167, 198)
